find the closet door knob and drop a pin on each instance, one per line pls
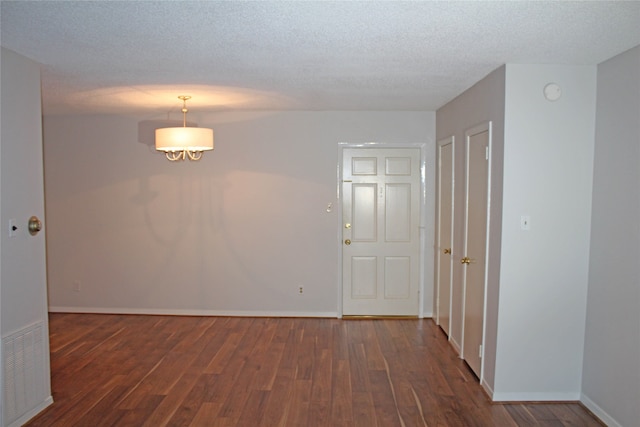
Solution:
(35, 225)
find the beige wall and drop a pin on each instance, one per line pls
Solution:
(236, 233)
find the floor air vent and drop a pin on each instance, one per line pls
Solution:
(23, 356)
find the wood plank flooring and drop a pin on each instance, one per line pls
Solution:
(123, 370)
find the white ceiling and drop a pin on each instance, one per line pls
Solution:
(138, 56)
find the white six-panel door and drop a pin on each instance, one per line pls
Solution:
(380, 231)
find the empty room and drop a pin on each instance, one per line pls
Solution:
(320, 213)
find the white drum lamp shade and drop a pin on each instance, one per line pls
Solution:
(184, 139)
(180, 143)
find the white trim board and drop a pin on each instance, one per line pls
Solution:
(487, 388)
(178, 312)
(172, 312)
(598, 411)
(536, 397)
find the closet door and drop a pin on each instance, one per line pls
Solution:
(444, 260)
(474, 261)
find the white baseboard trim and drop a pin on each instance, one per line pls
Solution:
(32, 413)
(598, 411)
(180, 312)
(487, 388)
(536, 397)
(455, 346)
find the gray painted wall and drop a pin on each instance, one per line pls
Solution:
(236, 233)
(611, 371)
(543, 349)
(548, 167)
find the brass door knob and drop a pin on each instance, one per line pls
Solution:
(347, 242)
(465, 260)
(35, 225)
(447, 251)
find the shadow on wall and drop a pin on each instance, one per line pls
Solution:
(201, 242)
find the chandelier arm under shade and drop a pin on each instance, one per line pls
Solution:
(195, 155)
(174, 156)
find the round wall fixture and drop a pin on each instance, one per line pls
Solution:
(552, 92)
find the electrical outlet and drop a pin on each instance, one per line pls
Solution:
(76, 286)
(301, 290)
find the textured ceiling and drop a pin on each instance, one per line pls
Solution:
(138, 56)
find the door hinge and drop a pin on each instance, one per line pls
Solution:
(486, 153)
(480, 351)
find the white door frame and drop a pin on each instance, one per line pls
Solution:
(423, 160)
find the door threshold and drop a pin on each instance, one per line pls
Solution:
(377, 317)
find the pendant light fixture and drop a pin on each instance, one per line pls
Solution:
(180, 143)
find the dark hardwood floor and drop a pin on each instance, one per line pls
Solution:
(119, 370)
